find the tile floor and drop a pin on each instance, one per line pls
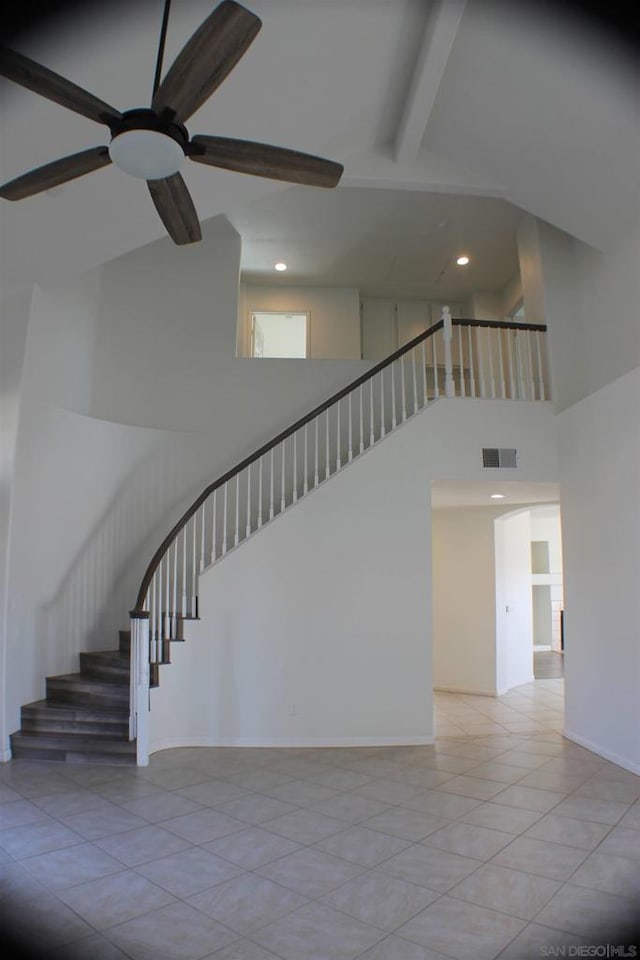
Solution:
(502, 840)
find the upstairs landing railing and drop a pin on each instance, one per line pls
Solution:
(453, 358)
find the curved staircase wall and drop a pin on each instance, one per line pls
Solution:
(317, 629)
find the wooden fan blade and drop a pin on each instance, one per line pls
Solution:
(205, 60)
(51, 85)
(264, 160)
(53, 174)
(175, 206)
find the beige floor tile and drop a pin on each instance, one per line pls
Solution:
(95, 947)
(304, 826)
(252, 848)
(397, 948)
(474, 787)
(583, 834)
(404, 823)
(35, 838)
(529, 798)
(537, 941)
(212, 793)
(72, 865)
(176, 932)
(115, 899)
(508, 891)
(255, 808)
(248, 902)
(42, 923)
(310, 872)
(18, 813)
(380, 900)
(242, 949)
(160, 806)
(613, 874)
(553, 860)
(449, 806)
(350, 807)
(586, 808)
(203, 826)
(469, 840)
(316, 931)
(498, 772)
(363, 846)
(189, 872)
(497, 816)
(387, 791)
(102, 822)
(430, 867)
(588, 912)
(462, 930)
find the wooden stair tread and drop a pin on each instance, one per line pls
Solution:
(72, 711)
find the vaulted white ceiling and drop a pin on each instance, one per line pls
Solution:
(475, 99)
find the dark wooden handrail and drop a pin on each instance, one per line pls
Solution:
(285, 434)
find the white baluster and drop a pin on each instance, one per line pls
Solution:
(295, 467)
(423, 364)
(394, 422)
(371, 433)
(463, 387)
(511, 340)
(492, 381)
(434, 351)
(224, 517)
(315, 453)
(361, 418)
(260, 493)
(447, 335)
(480, 361)
(175, 587)
(350, 454)
(326, 447)
(338, 438)
(541, 391)
(194, 535)
(531, 384)
(183, 609)
(403, 360)
(282, 476)
(518, 349)
(503, 392)
(271, 497)
(414, 380)
(167, 595)
(382, 424)
(213, 528)
(247, 531)
(236, 535)
(203, 528)
(472, 378)
(305, 484)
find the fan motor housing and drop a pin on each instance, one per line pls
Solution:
(147, 146)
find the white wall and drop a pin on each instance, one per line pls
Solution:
(599, 443)
(346, 635)
(14, 320)
(511, 294)
(464, 615)
(334, 317)
(486, 306)
(513, 601)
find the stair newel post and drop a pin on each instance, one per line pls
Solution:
(139, 690)
(447, 335)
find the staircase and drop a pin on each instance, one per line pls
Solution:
(85, 716)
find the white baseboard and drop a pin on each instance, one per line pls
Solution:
(172, 742)
(602, 751)
(5, 755)
(470, 691)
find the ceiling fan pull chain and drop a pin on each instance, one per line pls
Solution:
(163, 37)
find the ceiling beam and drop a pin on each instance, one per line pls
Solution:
(439, 34)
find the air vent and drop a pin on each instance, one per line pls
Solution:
(501, 458)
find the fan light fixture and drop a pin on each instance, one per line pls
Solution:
(280, 266)
(146, 154)
(462, 261)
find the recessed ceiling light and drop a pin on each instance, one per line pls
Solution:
(497, 496)
(462, 261)
(280, 266)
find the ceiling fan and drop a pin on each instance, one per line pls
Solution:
(152, 143)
